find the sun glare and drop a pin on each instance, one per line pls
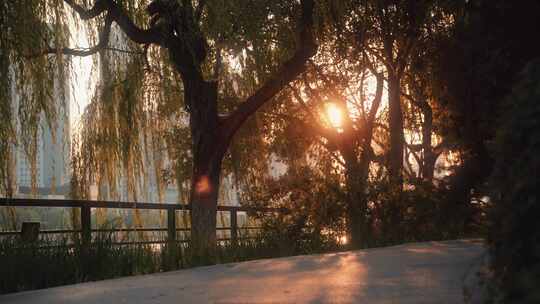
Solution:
(203, 185)
(334, 115)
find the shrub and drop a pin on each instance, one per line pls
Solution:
(514, 232)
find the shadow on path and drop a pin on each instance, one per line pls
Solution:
(412, 273)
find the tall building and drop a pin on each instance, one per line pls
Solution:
(53, 148)
(56, 148)
(23, 169)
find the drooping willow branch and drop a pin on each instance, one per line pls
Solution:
(98, 8)
(83, 52)
(115, 14)
(119, 16)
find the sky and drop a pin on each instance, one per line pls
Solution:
(81, 82)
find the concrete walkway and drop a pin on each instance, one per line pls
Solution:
(412, 273)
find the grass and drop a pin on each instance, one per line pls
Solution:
(51, 263)
(54, 262)
(48, 263)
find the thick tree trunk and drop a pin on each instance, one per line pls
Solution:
(203, 200)
(356, 174)
(357, 210)
(211, 136)
(396, 131)
(208, 150)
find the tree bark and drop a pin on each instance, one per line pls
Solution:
(430, 157)
(356, 175)
(208, 146)
(203, 200)
(396, 130)
(397, 140)
(356, 208)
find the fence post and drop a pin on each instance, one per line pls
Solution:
(172, 259)
(86, 225)
(234, 227)
(171, 225)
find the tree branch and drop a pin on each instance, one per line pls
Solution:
(441, 147)
(376, 100)
(116, 14)
(403, 55)
(99, 7)
(136, 34)
(378, 56)
(413, 152)
(328, 134)
(83, 52)
(422, 105)
(119, 16)
(288, 72)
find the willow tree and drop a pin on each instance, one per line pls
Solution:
(194, 37)
(27, 90)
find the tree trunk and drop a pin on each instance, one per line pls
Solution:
(211, 136)
(208, 150)
(356, 209)
(396, 153)
(203, 200)
(355, 182)
(428, 165)
(430, 158)
(357, 173)
(396, 130)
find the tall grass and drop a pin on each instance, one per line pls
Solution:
(54, 262)
(46, 263)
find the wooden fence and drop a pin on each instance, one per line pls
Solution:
(86, 206)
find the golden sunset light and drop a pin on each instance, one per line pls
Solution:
(334, 114)
(373, 151)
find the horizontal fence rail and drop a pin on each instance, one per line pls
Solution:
(86, 207)
(67, 203)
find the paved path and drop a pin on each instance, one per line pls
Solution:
(412, 273)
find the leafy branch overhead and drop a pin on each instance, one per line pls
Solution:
(176, 26)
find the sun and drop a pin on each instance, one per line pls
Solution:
(334, 115)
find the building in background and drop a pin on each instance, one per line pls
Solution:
(52, 153)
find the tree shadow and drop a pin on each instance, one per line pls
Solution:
(412, 273)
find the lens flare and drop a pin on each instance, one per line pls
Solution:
(334, 115)
(203, 185)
